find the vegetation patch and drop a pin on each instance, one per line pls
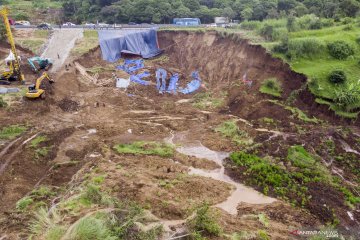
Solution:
(207, 101)
(231, 130)
(11, 132)
(24, 203)
(146, 148)
(337, 77)
(3, 103)
(272, 87)
(36, 141)
(340, 50)
(204, 223)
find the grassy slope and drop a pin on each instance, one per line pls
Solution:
(320, 66)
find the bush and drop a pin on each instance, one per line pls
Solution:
(90, 228)
(340, 50)
(347, 97)
(337, 77)
(272, 87)
(3, 104)
(205, 222)
(358, 40)
(267, 32)
(250, 25)
(306, 47)
(279, 34)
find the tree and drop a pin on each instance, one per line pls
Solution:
(247, 13)
(193, 5)
(228, 12)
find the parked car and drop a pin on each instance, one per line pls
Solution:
(103, 25)
(69, 24)
(211, 25)
(132, 23)
(89, 25)
(23, 23)
(44, 26)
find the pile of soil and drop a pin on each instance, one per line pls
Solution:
(68, 105)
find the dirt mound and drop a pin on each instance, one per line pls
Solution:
(68, 105)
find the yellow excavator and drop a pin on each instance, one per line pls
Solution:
(14, 72)
(37, 90)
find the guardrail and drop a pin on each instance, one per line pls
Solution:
(111, 27)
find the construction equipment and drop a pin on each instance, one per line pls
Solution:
(38, 89)
(38, 63)
(14, 71)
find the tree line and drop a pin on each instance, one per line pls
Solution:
(163, 11)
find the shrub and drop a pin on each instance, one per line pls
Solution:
(250, 25)
(21, 17)
(3, 104)
(271, 87)
(358, 40)
(347, 97)
(267, 32)
(337, 77)
(340, 50)
(23, 203)
(279, 34)
(306, 21)
(204, 221)
(90, 228)
(306, 47)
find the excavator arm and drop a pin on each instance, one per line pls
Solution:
(15, 66)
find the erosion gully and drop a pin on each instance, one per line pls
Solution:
(241, 193)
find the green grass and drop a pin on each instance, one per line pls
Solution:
(33, 45)
(24, 203)
(145, 148)
(11, 132)
(90, 228)
(319, 65)
(207, 101)
(204, 223)
(272, 87)
(300, 157)
(297, 113)
(88, 42)
(36, 141)
(42, 152)
(230, 130)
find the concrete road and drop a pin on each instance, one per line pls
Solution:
(60, 45)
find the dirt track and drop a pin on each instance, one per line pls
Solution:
(83, 121)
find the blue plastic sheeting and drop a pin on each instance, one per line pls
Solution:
(194, 85)
(173, 83)
(143, 75)
(138, 42)
(161, 75)
(131, 65)
(138, 78)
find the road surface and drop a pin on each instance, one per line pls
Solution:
(60, 45)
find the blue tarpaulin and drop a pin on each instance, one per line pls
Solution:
(161, 75)
(139, 42)
(194, 85)
(173, 83)
(139, 78)
(131, 65)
